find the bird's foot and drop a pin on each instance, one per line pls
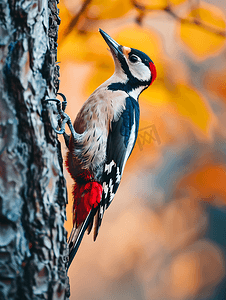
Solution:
(64, 118)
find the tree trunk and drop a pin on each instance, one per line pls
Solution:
(33, 192)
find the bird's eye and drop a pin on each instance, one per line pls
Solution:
(133, 58)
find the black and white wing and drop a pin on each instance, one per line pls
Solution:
(121, 140)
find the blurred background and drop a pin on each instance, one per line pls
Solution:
(164, 235)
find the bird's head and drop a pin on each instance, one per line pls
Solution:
(134, 68)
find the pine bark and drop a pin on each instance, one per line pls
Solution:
(33, 192)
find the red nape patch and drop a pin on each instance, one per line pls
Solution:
(153, 72)
(86, 197)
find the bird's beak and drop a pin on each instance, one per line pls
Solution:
(115, 48)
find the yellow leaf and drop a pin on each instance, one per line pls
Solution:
(65, 17)
(190, 105)
(157, 94)
(176, 2)
(139, 38)
(108, 9)
(187, 102)
(152, 4)
(97, 77)
(84, 47)
(201, 41)
(157, 4)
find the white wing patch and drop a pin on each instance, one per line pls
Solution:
(112, 195)
(118, 176)
(101, 211)
(105, 189)
(130, 143)
(108, 167)
(108, 188)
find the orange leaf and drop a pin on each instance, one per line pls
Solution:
(208, 183)
(200, 40)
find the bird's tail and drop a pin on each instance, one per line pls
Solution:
(87, 198)
(77, 235)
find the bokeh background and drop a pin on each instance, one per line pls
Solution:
(164, 235)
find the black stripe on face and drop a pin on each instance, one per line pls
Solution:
(132, 82)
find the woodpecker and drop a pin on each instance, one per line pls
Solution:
(102, 138)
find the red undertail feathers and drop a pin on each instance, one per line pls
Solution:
(86, 196)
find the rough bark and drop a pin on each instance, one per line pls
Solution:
(33, 192)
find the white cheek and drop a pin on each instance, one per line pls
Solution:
(140, 71)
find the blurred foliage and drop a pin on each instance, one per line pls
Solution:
(159, 242)
(208, 39)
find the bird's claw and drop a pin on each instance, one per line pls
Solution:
(64, 118)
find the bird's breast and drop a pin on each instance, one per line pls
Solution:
(95, 120)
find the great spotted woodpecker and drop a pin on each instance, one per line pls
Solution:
(102, 138)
